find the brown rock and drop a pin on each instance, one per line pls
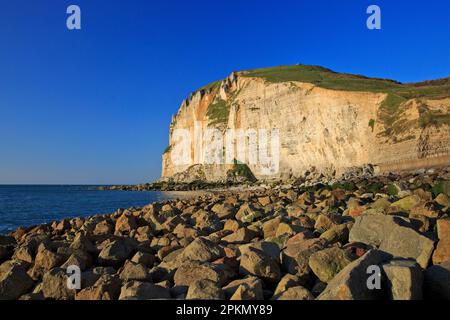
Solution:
(205, 290)
(135, 290)
(54, 285)
(14, 281)
(190, 272)
(294, 293)
(442, 252)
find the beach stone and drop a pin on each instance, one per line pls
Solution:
(103, 228)
(134, 271)
(54, 285)
(125, 223)
(114, 253)
(107, 287)
(249, 288)
(79, 258)
(373, 229)
(14, 281)
(404, 280)
(349, 283)
(336, 234)
(144, 258)
(223, 211)
(327, 263)
(201, 249)
(407, 203)
(437, 281)
(192, 271)
(269, 228)
(406, 243)
(242, 235)
(442, 252)
(288, 281)
(294, 293)
(443, 200)
(205, 290)
(258, 263)
(47, 260)
(443, 228)
(135, 290)
(247, 213)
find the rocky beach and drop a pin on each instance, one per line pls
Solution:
(299, 241)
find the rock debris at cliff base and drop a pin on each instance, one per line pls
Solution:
(284, 243)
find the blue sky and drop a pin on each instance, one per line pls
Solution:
(93, 106)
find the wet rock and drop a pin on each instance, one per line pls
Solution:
(404, 280)
(206, 290)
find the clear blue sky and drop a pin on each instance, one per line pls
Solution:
(94, 106)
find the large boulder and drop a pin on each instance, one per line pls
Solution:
(258, 263)
(190, 272)
(201, 249)
(404, 280)
(350, 283)
(327, 263)
(114, 253)
(54, 285)
(14, 281)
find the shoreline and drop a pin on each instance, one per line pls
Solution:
(285, 242)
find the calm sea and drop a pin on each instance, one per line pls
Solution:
(30, 205)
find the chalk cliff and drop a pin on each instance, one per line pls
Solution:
(324, 120)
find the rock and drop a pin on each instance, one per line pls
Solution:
(79, 258)
(103, 228)
(107, 287)
(407, 203)
(250, 288)
(135, 290)
(47, 260)
(144, 258)
(327, 263)
(125, 223)
(373, 229)
(443, 200)
(190, 272)
(289, 229)
(323, 223)
(134, 271)
(294, 293)
(242, 235)
(349, 283)
(14, 281)
(114, 253)
(382, 203)
(286, 282)
(24, 253)
(443, 228)
(248, 213)
(425, 209)
(258, 263)
(223, 211)
(231, 225)
(54, 285)
(406, 243)
(205, 290)
(202, 250)
(437, 281)
(82, 243)
(442, 252)
(336, 234)
(270, 227)
(404, 280)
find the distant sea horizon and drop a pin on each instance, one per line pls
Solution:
(25, 205)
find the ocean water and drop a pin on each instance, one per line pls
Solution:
(31, 205)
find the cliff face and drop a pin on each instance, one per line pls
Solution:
(327, 124)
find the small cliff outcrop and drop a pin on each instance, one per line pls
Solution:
(322, 119)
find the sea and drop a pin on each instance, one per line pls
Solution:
(28, 205)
